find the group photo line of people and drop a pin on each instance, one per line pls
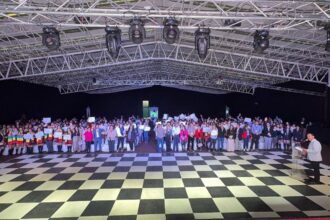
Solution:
(118, 135)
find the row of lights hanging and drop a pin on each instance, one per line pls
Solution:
(171, 32)
(137, 33)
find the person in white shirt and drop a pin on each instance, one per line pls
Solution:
(176, 136)
(314, 156)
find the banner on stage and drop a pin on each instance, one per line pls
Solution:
(47, 120)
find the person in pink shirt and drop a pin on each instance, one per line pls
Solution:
(88, 139)
(183, 137)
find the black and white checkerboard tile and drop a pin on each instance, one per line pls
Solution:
(158, 186)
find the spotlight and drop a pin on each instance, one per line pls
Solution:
(327, 45)
(261, 40)
(171, 31)
(202, 41)
(113, 40)
(51, 38)
(136, 31)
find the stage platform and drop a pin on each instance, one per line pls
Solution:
(159, 186)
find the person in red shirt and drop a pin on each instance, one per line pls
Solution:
(88, 139)
(199, 136)
(246, 136)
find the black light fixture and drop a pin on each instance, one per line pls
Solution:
(261, 40)
(327, 45)
(171, 31)
(136, 31)
(202, 41)
(51, 38)
(113, 40)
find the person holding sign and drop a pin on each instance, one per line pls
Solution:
(313, 154)
(40, 140)
(49, 139)
(68, 140)
(59, 139)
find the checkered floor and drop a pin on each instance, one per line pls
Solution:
(156, 186)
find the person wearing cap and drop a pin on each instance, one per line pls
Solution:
(313, 154)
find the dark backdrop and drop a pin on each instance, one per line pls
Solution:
(18, 98)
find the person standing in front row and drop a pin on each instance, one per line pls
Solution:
(314, 156)
(256, 130)
(160, 134)
(176, 137)
(76, 139)
(97, 137)
(88, 139)
(246, 137)
(168, 137)
(111, 138)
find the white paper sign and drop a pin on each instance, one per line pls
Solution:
(48, 130)
(247, 120)
(66, 137)
(57, 134)
(91, 120)
(46, 120)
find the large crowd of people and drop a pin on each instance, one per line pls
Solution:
(102, 135)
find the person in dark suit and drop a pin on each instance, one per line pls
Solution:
(97, 137)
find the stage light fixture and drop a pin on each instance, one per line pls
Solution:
(327, 45)
(261, 40)
(51, 38)
(202, 41)
(171, 31)
(113, 40)
(136, 31)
